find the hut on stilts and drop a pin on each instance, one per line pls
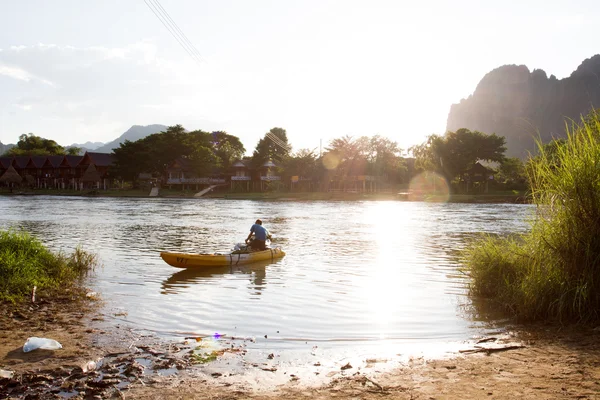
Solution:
(11, 177)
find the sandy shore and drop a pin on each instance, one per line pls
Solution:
(539, 363)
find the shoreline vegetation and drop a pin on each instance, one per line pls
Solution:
(550, 273)
(27, 267)
(520, 197)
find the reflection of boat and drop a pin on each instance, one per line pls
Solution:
(190, 260)
(179, 279)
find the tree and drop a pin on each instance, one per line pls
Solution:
(455, 152)
(74, 151)
(384, 158)
(347, 156)
(206, 153)
(227, 148)
(273, 146)
(32, 145)
(131, 159)
(302, 163)
(512, 173)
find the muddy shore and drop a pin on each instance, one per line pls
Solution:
(534, 363)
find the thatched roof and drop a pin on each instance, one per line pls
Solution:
(11, 176)
(91, 175)
(100, 159)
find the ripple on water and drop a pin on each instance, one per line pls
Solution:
(355, 272)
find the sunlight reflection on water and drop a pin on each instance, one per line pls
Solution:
(356, 273)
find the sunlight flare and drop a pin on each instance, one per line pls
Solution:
(429, 186)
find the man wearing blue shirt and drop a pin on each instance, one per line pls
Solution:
(260, 236)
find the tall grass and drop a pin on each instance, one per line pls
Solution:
(553, 271)
(25, 263)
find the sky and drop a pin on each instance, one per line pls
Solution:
(77, 71)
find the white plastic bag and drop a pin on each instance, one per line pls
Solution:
(6, 374)
(33, 343)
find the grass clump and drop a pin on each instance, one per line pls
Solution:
(25, 262)
(553, 271)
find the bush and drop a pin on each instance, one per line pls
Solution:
(25, 263)
(552, 272)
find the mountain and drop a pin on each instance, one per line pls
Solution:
(89, 146)
(136, 132)
(5, 147)
(519, 104)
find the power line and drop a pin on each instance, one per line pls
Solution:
(186, 46)
(275, 139)
(181, 34)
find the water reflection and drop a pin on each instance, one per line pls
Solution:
(188, 278)
(354, 271)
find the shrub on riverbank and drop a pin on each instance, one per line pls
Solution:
(25, 262)
(552, 272)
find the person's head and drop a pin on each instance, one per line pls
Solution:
(259, 222)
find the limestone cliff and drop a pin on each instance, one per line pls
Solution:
(518, 104)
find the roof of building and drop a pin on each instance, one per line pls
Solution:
(5, 162)
(179, 163)
(240, 164)
(99, 159)
(21, 161)
(91, 174)
(11, 175)
(55, 161)
(71, 161)
(36, 161)
(478, 168)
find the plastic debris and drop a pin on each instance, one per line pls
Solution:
(89, 366)
(34, 343)
(6, 374)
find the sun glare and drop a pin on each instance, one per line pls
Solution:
(388, 286)
(429, 186)
(331, 161)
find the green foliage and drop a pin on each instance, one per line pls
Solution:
(227, 148)
(302, 163)
(365, 156)
(74, 151)
(273, 146)
(512, 174)
(205, 153)
(25, 263)
(455, 152)
(553, 271)
(32, 145)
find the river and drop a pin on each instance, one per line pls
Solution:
(358, 277)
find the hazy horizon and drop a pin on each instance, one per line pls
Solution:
(87, 71)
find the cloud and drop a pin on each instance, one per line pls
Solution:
(95, 89)
(15, 73)
(21, 74)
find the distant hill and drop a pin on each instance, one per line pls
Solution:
(5, 147)
(136, 132)
(515, 103)
(87, 145)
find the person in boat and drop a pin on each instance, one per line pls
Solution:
(261, 234)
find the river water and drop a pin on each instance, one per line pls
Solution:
(359, 277)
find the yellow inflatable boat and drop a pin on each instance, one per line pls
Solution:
(191, 260)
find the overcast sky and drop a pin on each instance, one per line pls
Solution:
(77, 71)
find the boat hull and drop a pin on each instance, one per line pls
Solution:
(190, 260)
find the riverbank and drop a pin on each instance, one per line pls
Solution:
(501, 197)
(114, 362)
